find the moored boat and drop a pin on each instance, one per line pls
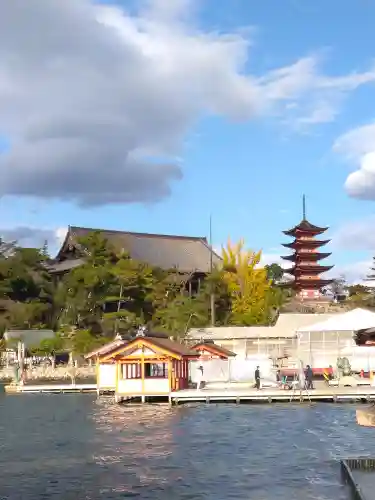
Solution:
(366, 416)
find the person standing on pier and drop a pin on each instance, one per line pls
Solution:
(309, 378)
(200, 376)
(257, 378)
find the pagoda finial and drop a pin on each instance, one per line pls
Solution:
(303, 207)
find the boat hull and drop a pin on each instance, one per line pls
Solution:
(366, 416)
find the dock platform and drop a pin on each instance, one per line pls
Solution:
(229, 395)
(333, 395)
(51, 388)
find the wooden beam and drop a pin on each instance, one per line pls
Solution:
(143, 370)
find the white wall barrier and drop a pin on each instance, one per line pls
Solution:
(232, 370)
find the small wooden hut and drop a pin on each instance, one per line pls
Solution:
(149, 366)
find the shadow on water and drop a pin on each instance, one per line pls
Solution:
(77, 447)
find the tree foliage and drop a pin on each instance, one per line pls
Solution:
(274, 272)
(26, 289)
(49, 347)
(250, 289)
(112, 293)
(361, 296)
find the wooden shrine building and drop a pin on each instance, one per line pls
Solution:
(190, 256)
(105, 371)
(306, 269)
(208, 350)
(149, 366)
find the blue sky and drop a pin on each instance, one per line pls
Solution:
(250, 172)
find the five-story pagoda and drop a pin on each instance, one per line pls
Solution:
(306, 269)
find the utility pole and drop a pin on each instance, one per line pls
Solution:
(212, 295)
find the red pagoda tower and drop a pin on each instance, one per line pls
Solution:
(306, 269)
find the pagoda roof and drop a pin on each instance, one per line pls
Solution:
(305, 227)
(301, 284)
(307, 256)
(184, 253)
(308, 270)
(306, 243)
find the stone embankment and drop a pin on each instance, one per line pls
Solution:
(40, 373)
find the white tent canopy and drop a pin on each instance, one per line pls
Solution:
(350, 321)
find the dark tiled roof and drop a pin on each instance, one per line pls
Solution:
(173, 346)
(64, 265)
(308, 256)
(106, 349)
(185, 253)
(117, 343)
(306, 283)
(163, 343)
(31, 338)
(305, 225)
(316, 269)
(306, 244)
(156, 335)
(214, 348)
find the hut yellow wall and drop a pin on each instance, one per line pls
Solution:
(106, 376)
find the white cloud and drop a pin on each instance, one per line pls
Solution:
(354, 273)
(355, 235)
(273, 258)
(358, 146)
(34, 237)
(361, 184)
(95, 102)
(60, 234)
(357, 142)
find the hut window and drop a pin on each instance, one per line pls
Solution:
(156, 370)
(132, 370)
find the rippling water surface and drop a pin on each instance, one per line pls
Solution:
(76, 447)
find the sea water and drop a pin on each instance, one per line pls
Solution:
(77, 447)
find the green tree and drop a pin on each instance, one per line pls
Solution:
(181, 313)
(49, 347)
(83, 342)
(216, 284)
(130, 295)
(26, 289)
(110, 293)
(84, 290)
(355, 290)
(274, 272)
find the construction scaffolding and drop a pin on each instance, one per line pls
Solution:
(321, 344)
(321, 349)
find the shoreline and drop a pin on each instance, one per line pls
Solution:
(205, 396)
(51, 381)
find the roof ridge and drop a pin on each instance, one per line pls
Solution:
(206, 244)
(135, 233)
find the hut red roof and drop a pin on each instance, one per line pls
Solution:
(213, 348)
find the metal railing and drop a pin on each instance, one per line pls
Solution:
(359, 464)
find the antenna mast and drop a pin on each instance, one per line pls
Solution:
(303, 207)
(210, 236)
(212, 295)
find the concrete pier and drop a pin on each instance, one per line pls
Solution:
(51, 388)
(233, 395)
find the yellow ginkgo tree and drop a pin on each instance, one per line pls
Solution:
(250, 290)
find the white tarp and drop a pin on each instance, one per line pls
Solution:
(232, 370)
(360, 357)
(357, 319)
